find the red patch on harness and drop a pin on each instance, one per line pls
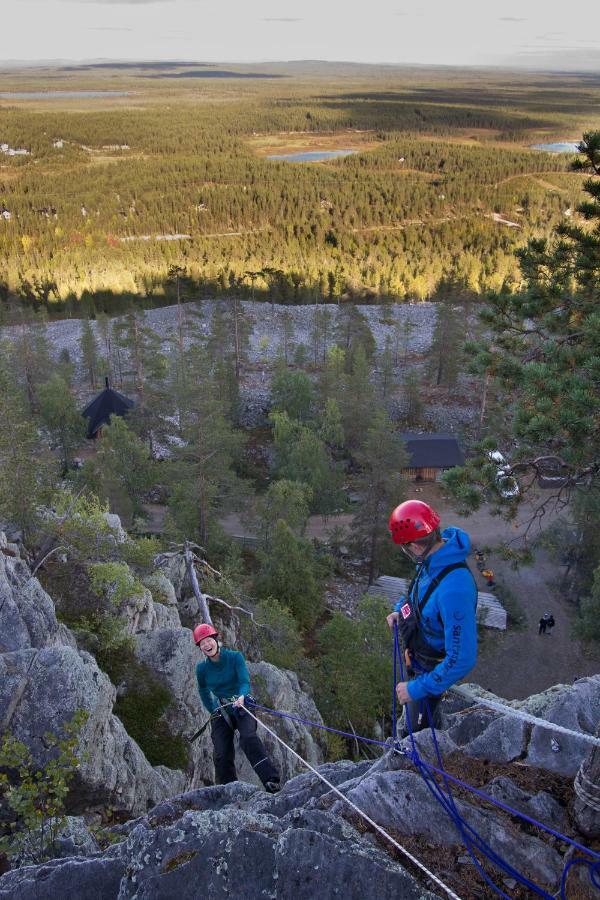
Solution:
(405, 610)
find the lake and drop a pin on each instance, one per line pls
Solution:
(48, 95)
(312, 155)
(559, 147)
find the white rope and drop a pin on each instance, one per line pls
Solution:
(527, 717)
(363, 815)
(579, 785)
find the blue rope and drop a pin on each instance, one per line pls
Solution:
(469, 835)
(447, 800)
(394, 682)
(469, 787)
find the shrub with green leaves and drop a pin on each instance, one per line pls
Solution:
(36, 794)
(114, 580)
(354, 682)
(280, 641)
(140, 553)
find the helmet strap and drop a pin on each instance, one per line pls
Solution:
(426, 542)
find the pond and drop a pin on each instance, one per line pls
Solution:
(48, 95)
(558, 147)
(312, 155)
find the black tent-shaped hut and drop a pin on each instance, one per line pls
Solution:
(108, 403)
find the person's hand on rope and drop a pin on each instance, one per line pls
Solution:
(239, 702)
(393, 617)
(402, 692)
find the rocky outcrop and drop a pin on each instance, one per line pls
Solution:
(503, 737)
(41, 689)
(27, 615)
(214, 843)
(301, 843)
(45, 679)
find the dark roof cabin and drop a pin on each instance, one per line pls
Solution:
(431, 454)
(108, 403)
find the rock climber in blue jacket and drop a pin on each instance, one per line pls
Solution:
(437, 617)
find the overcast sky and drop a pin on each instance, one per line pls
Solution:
(451, 32)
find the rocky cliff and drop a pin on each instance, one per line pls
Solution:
(45, 677)
(185, 839)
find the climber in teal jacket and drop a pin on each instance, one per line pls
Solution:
(223, 678)
(437, 619)
(223, 685)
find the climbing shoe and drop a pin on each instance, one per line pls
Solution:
(272, 787)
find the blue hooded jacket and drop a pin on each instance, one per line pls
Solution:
(454, 601)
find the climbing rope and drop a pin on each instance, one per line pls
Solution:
(357, 810)
(472, 840)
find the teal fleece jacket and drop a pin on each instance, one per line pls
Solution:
(228, 677)
(449, 616)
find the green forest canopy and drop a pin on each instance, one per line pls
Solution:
(187, 156)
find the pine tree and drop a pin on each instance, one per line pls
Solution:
(287, 501)
(62, 417)
(292, 574)
(544, 352)
(89, 353)
(29, 355)
(27, 476)
(381, 458)
(445, 354)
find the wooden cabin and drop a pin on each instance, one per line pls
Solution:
(430, 455)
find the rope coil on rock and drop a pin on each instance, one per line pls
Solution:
(356, 809)
(581, 786)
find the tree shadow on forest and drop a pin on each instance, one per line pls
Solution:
(514, 96)
(369, 110)
(214, 73)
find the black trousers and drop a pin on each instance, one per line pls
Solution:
(224, 748)
(423, 713)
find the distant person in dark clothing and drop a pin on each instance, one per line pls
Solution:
(222, 678)
(544, 622)
(550, 624)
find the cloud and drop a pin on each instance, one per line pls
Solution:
(282, 19)
(511, 19)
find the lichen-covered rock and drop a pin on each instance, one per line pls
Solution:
(401, 802)
(161, 588)
(304, 790)
(485, 734)
(114, 523)
(27, 615)
(85, 879)
(224, 853)
(76, 839)
(541, 806)
(41, 689)
(576, 707)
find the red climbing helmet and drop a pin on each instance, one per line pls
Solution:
(204, 631)
(411, 521)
